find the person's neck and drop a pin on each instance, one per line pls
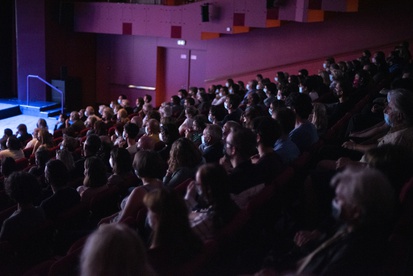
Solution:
(150, 181)
(131, 142)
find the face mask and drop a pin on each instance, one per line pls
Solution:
(198, 189)
(227, 84)
(220, 94)
(276, 79)
(124, 135)
(210, 118)
(146, 130)
(247, 87)
(258, 87)
(230, 91)
(300, 89)
(270, 111)
(387, 119)
(203, 140)
(161, 137)
(279, 97)
(111, 162)
(325, 66)
(335, 209)
(373, 60)
(216, 92)
(226, 106)
(119, 101)
(331, 77)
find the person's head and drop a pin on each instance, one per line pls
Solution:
(394, 161)
(8, 166)
(147, 98)
(42, 155)
(89, 111)
(190, 111)
(240, 143)
(66, 157)
(21, 129)
(319, 115)
(22, 187)
(91, 121)
(107, 114)
(114, 249)
(232, 102)
(69, 143)
(398, 110)
(189, 102)
(139, 101)
(274, 107)
(199, 123)
(45, 138)
(268, 131)
(213, 181)
(184, 153)
(95, 172)
(92, 145)
(168, 217)
(152, 126)
(149, 164)
(192, 92)
(13, 143)
(228, 127)
(56, 174)
(301, 104)
(120, 160)
(286, 118)
(175, 100)
(146, 143)
(169, 133)
(74, 116)
(122, 114)
(212, 134)
(364, 198)
(130, 131)
(41, 123)
(182, 93)
(249, 115)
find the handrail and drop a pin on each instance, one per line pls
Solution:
(48, 84)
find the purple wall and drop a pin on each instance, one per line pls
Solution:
(126, 59)
(30, 32)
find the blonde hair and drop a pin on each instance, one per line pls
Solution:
(114, 249)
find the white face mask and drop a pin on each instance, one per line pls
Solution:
(324, 66)
(146, 130)
(216, 92)
(279, 97)
(119, 101)
(247, 87)
(220, 94)
(276, 79)
(161, 137)
(210, 118)
(265, 90)
(331, 77)
(258, 87)
(226, 106)
(203, 140)
(111, 162)
(335, 209)
(230, 91)
(270, 111)
(300, 89)
(227, 84)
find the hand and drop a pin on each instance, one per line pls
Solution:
(351, 145)
(343, 162)
(191, 190)
(303, 237)
(255, 158)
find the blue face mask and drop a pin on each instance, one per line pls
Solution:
(387, 119)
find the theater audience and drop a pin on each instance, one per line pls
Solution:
(13, 149)
(95, 180)
(211, 146)
(74, 125)
(121, 163)
(169, 134)
(22, 135)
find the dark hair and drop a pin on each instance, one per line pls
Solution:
(148, 97)
(96, 176)
(214, 183)
(301, 103)
(14, 143)
(57, 173)
(170, 133)
(8, 132)
(184, 153)
(121, 158)
(42, 156)
(132, 130)
(190, 100)
(268, 129)
(8, 166)
(234, 100)
(149, 164)
(245, 141)
(286, 118)
(93, 143)
(22, 187)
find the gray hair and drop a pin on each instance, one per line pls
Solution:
(369, 190)
(403, 101)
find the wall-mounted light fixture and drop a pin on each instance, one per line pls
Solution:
(181, 42)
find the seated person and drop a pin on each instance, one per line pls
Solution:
(210, 200)
(121, 163)
(64, 197)
(284, 147)
(212, 147)
(13, 149)
(95, 180)
(22, 135)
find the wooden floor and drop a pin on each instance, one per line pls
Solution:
(29, 121)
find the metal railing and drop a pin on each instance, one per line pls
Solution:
(48, 84)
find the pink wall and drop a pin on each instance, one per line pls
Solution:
(124, 59)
